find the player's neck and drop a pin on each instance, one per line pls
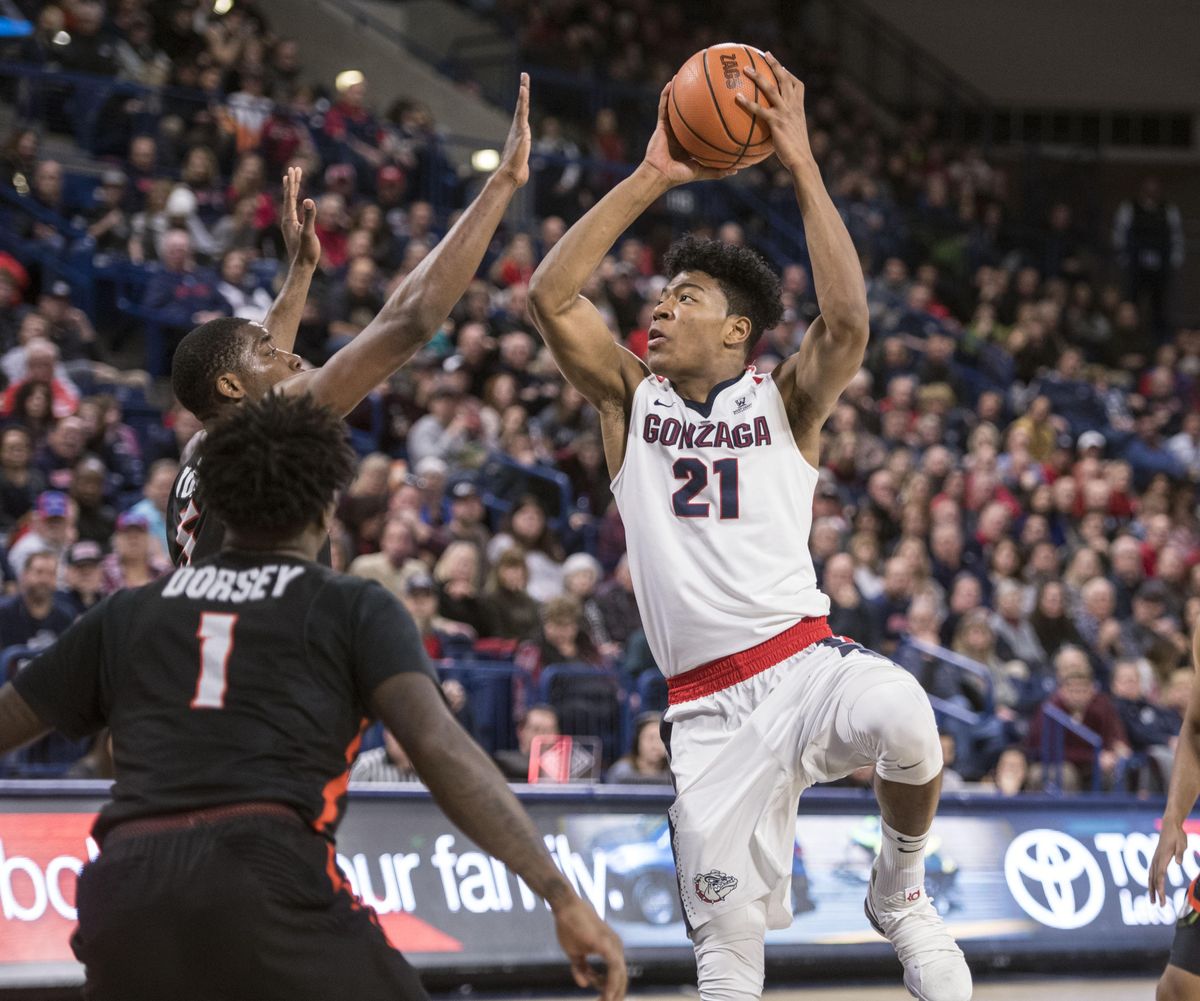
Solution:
(697, 387)
(305, 546)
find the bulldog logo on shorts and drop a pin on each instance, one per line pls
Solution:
(714, 886)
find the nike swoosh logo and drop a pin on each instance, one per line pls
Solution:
(661, 403)
(904, 768)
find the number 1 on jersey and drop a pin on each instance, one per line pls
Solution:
(216, 644)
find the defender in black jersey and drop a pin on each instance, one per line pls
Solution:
(236, 691)
(1181, 979)
(225, 361)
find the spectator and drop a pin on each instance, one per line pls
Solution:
(646, 761)
(527, 526)
(182, 293)
(539, 720)
(96, 520)
(241, 290)
(34, 617)
(354, 303)
(1152, 730)
(52, 530)
(849, 614)
(1148, 239)
(1011, 773)
(134, 560)
(442, 431)
(612, 615)
(514, 614)
(63, 448)
(396, 561)
(156, 492)
(41, 359)
(388, 763)
(107, 222)
(1051, 624)
(84, 580)
(1078, 698)
(952, 781)
(20, 481)
(457, 575)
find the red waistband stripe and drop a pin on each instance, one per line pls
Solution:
(717, 675)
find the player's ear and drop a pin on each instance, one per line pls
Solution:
(230, 386)
(737, 331)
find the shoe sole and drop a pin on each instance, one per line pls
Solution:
(879, 928)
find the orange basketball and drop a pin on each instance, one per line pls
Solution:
(702, 112)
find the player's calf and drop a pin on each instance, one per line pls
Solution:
(729, 954)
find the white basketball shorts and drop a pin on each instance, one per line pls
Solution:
(741, 757)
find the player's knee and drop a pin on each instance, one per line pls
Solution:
(898, 716)
(729, 954)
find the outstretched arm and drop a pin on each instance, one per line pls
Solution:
(834, 345)
(1182, 795)
(473, 794)
(304, 251)
(19, 724)
(604, 372)
(421, 303)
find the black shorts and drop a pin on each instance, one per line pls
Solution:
(252, 907)
(1185, 950)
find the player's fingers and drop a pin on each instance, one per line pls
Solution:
(616, 979)
(523, 97)
(766, 86)
(663, 97)
(310, 215)
(754, 108)
(581, 972)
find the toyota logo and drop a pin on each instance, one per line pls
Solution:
(1054, 878)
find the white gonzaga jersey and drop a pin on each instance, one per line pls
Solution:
(717, 505)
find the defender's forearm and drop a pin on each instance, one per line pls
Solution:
(283, 318)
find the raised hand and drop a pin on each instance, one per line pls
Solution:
(299, 235)
(782, 108)
(514, 161)
(664, 154)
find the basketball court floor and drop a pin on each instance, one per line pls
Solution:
(1114, 988)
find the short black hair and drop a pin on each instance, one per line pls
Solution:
(271, 467)
(208, 350)
(750, 286)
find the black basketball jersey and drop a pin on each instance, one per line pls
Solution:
(192, 533)
(243, 677)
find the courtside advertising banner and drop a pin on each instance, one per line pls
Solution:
(1012, 878)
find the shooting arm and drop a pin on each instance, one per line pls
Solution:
(834, 345)
(574, 330)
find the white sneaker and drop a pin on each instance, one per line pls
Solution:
(934, 967)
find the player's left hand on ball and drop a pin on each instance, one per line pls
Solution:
(1172, 843)
(581, 934)
(782, 107)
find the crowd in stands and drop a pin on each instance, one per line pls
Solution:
(1012, 476)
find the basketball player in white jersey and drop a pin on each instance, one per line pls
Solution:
(714, 469)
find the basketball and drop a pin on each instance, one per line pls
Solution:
(704, 115)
